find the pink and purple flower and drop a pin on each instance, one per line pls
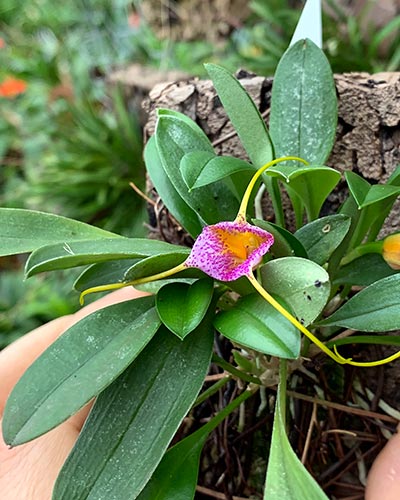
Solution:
(228, 250)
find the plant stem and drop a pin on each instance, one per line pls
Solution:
(215, 421)
(245, 200)
(139, 281)
(212, 390)
(234, 371)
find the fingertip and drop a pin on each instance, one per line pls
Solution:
(384, 477)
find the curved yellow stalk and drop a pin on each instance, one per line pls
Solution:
(139, 281)
(245, 200)
(364, 364)
(334, 355)
(274, 303)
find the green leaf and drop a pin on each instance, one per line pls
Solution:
(321, 237)
(367, 195)
(103, 273)
(287, 478)
(380, 192)
(77, 367)
(379, 211)
(285, 244)
(133, 420)
(182, 307)
(301, 283)
(312, 184)
(80, 253)
(176, 476)
(26, 230)
(201, 168)
(243, 114)
(254, 323)
(394, 179)
(174, 139)
(358, 187)
(363, 271)
(166, 190)
(303, 104)
(374, 309)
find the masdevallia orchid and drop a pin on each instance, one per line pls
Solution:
(229, 250)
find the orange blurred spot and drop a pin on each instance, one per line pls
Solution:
(391, 250)
(11, 87)
(134, 20)
(2, 43)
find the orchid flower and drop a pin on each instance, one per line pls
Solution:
(229, 250)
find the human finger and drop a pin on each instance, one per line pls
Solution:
(19, 355)
(384, 478)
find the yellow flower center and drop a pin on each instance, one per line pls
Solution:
(239, 244)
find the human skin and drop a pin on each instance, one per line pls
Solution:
(384, 477)
(28, 472)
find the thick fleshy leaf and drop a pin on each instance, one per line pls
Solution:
(374, 309)
(26, 230)
(182, 307)
(176, 476)
(133, 420)
(321, 237)
(201, 168)
(367, 195)
(287, 478)
(363, 271)
(254, 323)
(174, 139)
(358, 186)
(243, 114)
(380, 192)
(312, 184)
(285, 244)
(301, 283)
(379, 211)
(79, 253)
(303, 104)
(104, 273)
(166, 190)
(77, 367)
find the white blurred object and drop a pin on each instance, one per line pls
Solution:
(310, 23)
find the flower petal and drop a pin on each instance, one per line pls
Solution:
(228, 250)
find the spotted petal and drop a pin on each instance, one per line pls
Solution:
(228, 250)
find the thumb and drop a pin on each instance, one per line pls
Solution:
(384, 478)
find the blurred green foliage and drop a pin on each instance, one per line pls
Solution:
(351, 42)
(27, 305)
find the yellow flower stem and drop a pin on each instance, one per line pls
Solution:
(334, 355)
(139, 281)
(379, 362)
(294, 321)
(245, 200)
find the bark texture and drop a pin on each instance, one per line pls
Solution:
(368, 133)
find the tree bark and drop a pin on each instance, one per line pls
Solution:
(368, 132)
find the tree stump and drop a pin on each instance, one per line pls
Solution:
(368, 132)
